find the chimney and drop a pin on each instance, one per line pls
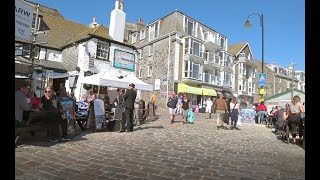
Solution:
(117, 22)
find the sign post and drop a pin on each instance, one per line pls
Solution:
(262, 82)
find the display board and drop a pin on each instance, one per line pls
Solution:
(68, 107)
(247, 116)
(99, 114)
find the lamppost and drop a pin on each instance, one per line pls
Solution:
(291, 67)
(248, 24)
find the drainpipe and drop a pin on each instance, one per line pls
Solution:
(168, 69)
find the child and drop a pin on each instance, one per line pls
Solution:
(190, 116)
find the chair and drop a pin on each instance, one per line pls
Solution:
(82, 120)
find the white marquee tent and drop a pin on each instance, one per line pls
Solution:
(107, 78)
(283, 98)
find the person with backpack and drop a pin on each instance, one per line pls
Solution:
(172, 105)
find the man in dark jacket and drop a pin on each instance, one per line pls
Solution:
(129, 98)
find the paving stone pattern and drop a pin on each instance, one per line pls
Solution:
(160, 150)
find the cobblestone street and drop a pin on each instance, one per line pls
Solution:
(160, 150)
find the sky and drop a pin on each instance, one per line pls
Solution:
(284, 21)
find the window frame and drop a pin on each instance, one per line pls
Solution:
(134, 38)
(149, 71)
(142, 34)
(154, 28)
(140, 73)
(107, 50)
(151, 50)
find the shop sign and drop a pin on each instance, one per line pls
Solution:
(124, 60)
(23, 20)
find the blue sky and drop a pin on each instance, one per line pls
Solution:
(284, 21)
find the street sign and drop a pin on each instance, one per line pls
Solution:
(23, 20)
(262, 79)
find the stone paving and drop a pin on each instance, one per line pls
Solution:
(160, 150)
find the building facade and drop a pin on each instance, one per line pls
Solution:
(178, 53)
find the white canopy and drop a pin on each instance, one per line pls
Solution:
(55, 75)
(109, 79)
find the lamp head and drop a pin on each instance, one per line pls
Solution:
(247, 24)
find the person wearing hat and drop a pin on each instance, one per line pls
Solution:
(129, 97)
(21, 104)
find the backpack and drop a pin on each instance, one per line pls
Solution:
(169, 102)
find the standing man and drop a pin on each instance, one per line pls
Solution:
(221, 108)
(129, 98)
(21, 105)
(172, 102)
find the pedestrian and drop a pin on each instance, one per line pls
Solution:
(172, 105)
(262, 110)
(186, 105)
(235, 110)
(136, 111)
(119, 109)
(221, 108)
(21, 105)
(129, 97)
(294, 118)
(209, 105)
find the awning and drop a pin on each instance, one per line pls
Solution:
(183, 88)
(209, 92)
(227, 94)
(55, 75)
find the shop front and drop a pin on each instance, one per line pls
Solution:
(194, 93)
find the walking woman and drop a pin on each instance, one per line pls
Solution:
(235, 110)
(262, 108)
(294, 118)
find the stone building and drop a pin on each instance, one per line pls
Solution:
(276, 82)
(74, 47)
(245, 72)
(178, 53)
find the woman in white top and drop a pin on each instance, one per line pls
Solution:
(235, 110)
(209, 105)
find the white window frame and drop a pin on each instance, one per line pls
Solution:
(250, 87)
(186, 27)
(142, 34)
(134, 38)
(154, 30)
(149, 71)
(242, 85)
(242, 68)
(204, 36)
(151, 49)
(188, 70)
(34, 22)
(189, 47)
(141, 53)
(140, 73)
(225, 75)
(103, 47)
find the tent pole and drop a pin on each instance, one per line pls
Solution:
(98, 90)
(80, 91)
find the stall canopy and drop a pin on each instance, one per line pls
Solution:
(283, 98)
(108, 79)
(209, 92)
(183, 88)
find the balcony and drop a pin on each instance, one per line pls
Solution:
(245, 58)
(211, 79)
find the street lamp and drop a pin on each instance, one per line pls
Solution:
(248, 24)
(291, 67)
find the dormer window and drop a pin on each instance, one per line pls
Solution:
(154, 30)
(142, 34)
(34, 22)
(134, 38)
(189, 27)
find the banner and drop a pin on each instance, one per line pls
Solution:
(247, 116)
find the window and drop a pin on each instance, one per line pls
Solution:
(34, 22)
(151, 50)
(141, 53)
(192, 70)
(227, 78)
(193, 47)
(216, 38)
(154, 31)
(275, 69)
(140, 73)
(242, 68)
(252, 72)
(206, 36)
(142, 34)
(189, 27)
(134, 38)
(250, 87)
(102, 50)
(149, 70)
(222, 42)
(242, 85)
(26, 50)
